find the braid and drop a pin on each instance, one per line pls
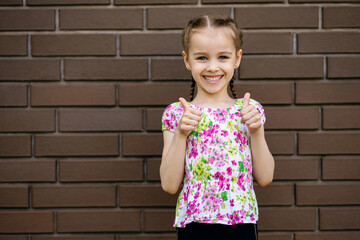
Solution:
(232, 88)
(192, 91)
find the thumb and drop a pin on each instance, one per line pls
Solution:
(184, 103)
(246, 99)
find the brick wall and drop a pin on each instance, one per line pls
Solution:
(83, 84)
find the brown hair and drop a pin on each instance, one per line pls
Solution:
(211, 21)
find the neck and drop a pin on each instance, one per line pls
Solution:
(213, 100)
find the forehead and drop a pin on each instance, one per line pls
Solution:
(219, 38)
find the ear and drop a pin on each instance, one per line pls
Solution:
(186, 60)
(238, 58)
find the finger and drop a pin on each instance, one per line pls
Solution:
(190, 122)
(247, 116)
(184, 103)
(254, 119)
(246, 99)
(196, 111)
(255, 125)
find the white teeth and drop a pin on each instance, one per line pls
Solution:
(212, 78)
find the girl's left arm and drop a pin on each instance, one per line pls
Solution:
(263, 161)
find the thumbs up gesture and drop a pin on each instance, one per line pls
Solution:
(250, 115)
(189, 120)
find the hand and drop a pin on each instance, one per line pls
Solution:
(250, 115)
(189, 120)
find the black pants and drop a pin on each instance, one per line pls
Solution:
(199, 231)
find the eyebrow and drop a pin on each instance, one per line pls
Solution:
(204, 53)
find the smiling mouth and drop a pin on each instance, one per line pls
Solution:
(213, 79)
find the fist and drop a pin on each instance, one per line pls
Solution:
(189, 120)
(250, 115)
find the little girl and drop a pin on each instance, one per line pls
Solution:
(215, 144)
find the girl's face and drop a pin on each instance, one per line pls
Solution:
(212, 59)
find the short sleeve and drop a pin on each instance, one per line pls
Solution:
(260, 108)
(171, 116)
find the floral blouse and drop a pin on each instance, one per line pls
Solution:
(218, 182)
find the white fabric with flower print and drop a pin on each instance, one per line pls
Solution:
(218, 182)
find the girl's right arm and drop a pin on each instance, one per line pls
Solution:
(173, 155)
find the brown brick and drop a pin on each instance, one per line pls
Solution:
(281, 143)
(106, 69)
(34, 120)
(328, 193)
(327, 92)
(287, 219)
(277, 17)
(153, 119)
(74, 196)
(73, 95)
(297, 168)
(328, 236)
(241, 1)
(329, 143)
(28, 170)
(324, 42)
(153, 169)
(15, 146)
(26, 222)
(73, 237)
(341, 167)
(14, 196)
(145, 196)
(13, 95)
(80, 120)
(275, 236)
(275, 194)
(76, 145)
(142, 144)
(149, 237)
(344, 117)
(30, 69)
(98, 221)
(159, 220)
(13, 237)
(321, 1)
(341, 17)
(170, 18)
(259, 42)
(13, 45)
(73, 45)
(169, 69)
(67, 2)
(11, 2)
(27, 19)
(340, 218)
(140, 2)
(106, 19)
(152, 93)
(266, 93)
(343, 67)
(101, 170)
(150, 44)
(281, 67)
(292, 117)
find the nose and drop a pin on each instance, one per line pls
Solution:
(212, 67)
